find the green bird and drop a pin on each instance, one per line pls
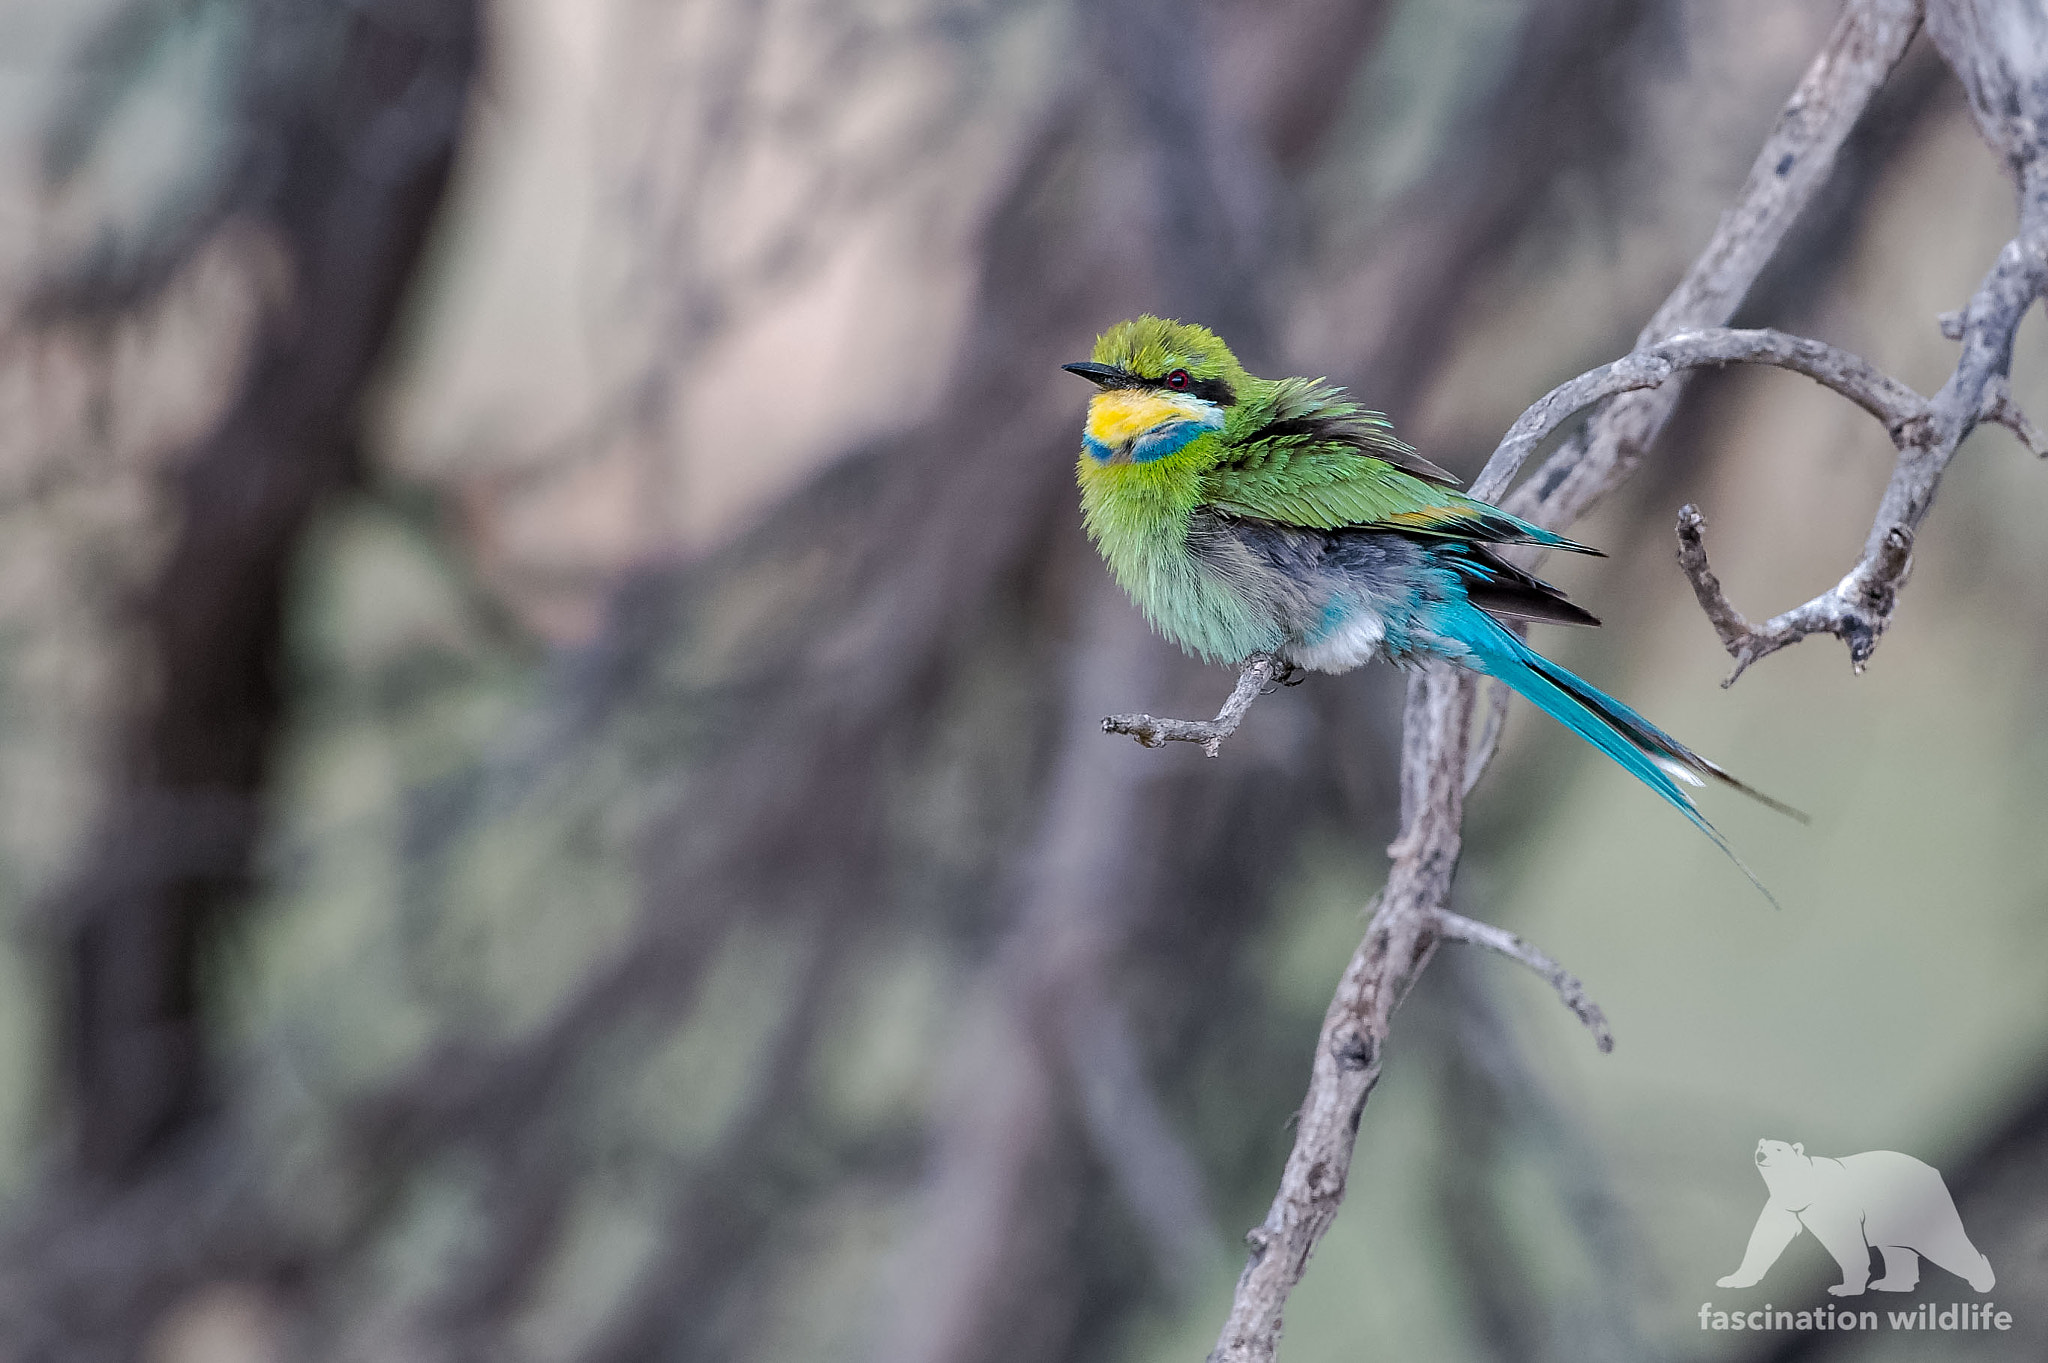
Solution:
(1248, 515)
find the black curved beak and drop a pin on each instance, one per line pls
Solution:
(1102, 375)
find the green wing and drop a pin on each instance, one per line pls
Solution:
(1319, 461)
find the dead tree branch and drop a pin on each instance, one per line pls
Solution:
(1257, 674)
(1652, 366)
(1861, 51)
(2000, 409)
(1495, 724)
(2001, 58)
(1788, 172)
(1350, 1050)
(1858, 609)
(1458, 928)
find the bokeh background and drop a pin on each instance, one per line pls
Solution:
(550, 798)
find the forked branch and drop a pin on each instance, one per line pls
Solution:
(1926, 431)
(1435, 768)
(1855, 610)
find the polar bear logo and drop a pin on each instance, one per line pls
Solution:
(1879, 1199)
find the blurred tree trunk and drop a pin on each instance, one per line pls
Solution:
(357, 111)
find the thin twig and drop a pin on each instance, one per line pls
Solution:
(1728, 622)
(1259, 671)
(2000, 409)
(1458, 928)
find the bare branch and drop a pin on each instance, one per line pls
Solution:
(1858, 609)
(2000, 408)
(1999, 51)
(1864, 46)
(1651, 366)
(1788, 171)
(2003, 68)
(1398, 944)
(1728, 622)
(1259, 671)
(1458, 928)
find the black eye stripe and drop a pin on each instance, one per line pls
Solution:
(1212, 390)
(1209, 390)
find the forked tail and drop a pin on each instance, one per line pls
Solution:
(1642, 749)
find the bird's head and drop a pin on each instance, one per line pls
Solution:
(1165, 385)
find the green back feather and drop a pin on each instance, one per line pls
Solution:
(1291, 451)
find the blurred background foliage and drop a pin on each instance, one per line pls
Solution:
(679, 906)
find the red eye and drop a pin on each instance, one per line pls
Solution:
(1177, 380)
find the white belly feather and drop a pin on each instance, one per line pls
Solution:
(1352, 642)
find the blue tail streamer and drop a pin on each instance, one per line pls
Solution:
(1633, 742)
